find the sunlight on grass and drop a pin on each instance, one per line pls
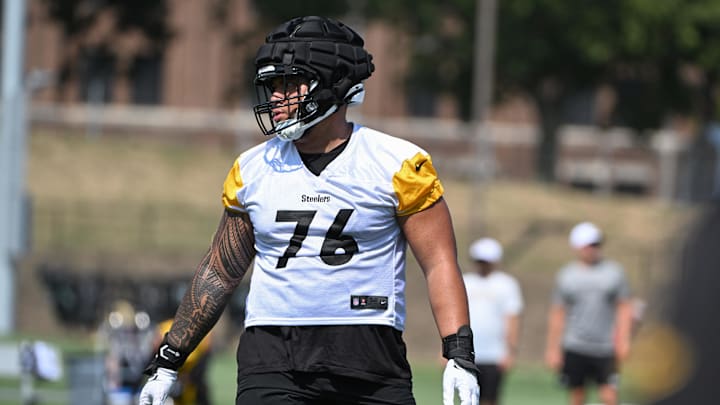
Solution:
(526, 385)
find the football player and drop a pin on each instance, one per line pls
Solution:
(326, 209)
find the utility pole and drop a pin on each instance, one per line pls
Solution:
(484, 58)
(12, 156)
(483, 77)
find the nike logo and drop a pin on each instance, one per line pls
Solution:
(419, 165)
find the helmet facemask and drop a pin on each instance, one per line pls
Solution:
(308, 68)
(287, 105)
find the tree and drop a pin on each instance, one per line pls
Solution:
(642, 49)
(657, 57)
(95, 29)
(274, 12)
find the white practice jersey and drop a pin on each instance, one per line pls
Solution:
(329, 247)
(491, 299)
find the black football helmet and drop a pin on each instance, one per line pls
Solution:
(323, 57)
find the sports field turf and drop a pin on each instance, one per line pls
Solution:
(532, 219)
(526, 385)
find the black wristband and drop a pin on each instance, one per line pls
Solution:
(459, 345)
(166, 356)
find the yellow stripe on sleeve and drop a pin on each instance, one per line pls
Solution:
(233, 183)
(416, 185)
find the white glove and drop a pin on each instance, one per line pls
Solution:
(157, 387)
(462, 379)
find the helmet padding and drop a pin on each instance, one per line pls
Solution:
(325, 51)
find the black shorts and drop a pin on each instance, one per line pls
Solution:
(490, 379)
(578, 369)
(315, 364)
(369, 352)
(303, 388)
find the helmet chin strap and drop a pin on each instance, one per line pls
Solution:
(293, 129)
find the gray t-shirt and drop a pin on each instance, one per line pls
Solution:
(590, 295)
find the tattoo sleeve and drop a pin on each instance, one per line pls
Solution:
(215, 279)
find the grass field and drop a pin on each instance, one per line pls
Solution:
(147, 205)
(96, 198)
(528, 385)
(525, 385)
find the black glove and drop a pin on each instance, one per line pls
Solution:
(460, 373)
(459, 347)
(166, 356)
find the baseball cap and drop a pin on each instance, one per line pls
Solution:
(585, 234)
(487, 250)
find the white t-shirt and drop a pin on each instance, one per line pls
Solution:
(329, 247)
(491, 300)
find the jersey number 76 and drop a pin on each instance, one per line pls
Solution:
(334, 239)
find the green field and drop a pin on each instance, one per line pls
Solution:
(149, 205)
(526, 385)
(146, 205)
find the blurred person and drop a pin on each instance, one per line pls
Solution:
(191, 386)
(590, 319)
(326, 209)
(126, 337)
(496, 303)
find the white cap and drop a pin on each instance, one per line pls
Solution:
(585, 234)
(486, 249)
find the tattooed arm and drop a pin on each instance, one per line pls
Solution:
(215, 279)
(217, 276)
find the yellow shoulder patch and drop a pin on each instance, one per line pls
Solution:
(233, 183)
(416, 185)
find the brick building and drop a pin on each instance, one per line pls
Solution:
(200, 80)
(206, 63)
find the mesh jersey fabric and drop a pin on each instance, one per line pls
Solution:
(324, 240)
